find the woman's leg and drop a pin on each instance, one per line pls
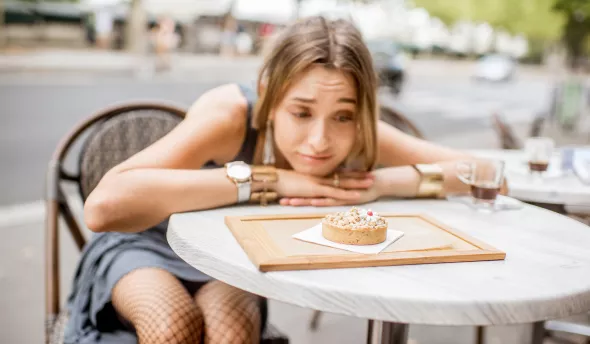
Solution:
(231, 315)
(158, 306)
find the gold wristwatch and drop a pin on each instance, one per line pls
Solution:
(431, 180)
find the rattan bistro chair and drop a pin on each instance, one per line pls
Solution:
(108, 138)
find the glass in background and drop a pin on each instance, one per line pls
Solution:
(539, 151)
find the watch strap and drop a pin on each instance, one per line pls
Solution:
(244, 186)
(244, 190)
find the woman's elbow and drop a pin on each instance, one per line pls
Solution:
(98, 212)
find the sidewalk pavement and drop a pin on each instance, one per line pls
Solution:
(108, 61)
(102, 61)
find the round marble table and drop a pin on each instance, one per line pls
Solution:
(546, 273)
(566, 189)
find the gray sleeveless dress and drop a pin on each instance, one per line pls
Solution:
(110, 256)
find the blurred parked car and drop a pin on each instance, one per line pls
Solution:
(390, 63)
(495, 68)
(30, 12)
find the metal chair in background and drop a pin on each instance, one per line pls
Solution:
(395, 118)
(567, 119)
(506, 135)
(108, 138)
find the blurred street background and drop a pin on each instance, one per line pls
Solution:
(446, 65)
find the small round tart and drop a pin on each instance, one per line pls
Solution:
(355, 227)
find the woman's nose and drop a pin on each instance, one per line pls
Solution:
(318, 137)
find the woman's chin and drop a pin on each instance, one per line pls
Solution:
(316, 170)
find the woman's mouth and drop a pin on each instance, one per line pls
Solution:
(314, 159)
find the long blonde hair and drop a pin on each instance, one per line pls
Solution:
(335, 44)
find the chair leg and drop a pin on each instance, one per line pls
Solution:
(51, 266)
(315, 320)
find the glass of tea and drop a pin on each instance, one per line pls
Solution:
(485, 178)
(539, 151)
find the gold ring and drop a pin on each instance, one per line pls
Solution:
(336, 181)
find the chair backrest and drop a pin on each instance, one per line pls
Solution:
(117, 139)
(508, 138)
(115, 134)
(396, 119)
(569, 103)
(537, 125)
(567, 120)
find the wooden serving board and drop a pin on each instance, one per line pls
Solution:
(268, 242)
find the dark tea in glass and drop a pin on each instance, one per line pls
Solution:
(485, 178)
(485, 191)
(539, 151)
(538, 166)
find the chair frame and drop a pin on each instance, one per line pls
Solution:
(508, 139)
(56, 203)
(392, 113)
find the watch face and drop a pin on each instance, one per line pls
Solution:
(240, 171)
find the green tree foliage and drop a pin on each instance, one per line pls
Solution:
(533, 18)
(576, 32)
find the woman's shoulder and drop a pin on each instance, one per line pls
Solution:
(223, 104)
(218, 119)
(225, 97)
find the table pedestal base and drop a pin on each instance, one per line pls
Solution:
(382, 332)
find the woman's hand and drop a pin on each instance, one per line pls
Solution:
(353, 188)
(294, 188)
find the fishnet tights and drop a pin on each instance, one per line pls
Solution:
(162, 311)
(231, 315)
(159, 307)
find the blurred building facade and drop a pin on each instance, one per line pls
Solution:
(200, 23)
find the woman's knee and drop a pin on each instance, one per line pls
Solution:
(159, 307)
(171, 327)
(231, 315)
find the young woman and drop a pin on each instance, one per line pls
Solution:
(310, 135)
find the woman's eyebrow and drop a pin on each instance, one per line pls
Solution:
(305, 100)
(347, 100)
(313, 100)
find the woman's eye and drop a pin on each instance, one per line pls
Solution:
(344, 118)
(301, 114)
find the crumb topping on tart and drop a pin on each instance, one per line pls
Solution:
(356, 219)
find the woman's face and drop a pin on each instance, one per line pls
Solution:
(314, 124)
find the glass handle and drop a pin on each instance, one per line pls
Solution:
(464, 171)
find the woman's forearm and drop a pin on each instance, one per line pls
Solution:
(403, 181)
(134, 200)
